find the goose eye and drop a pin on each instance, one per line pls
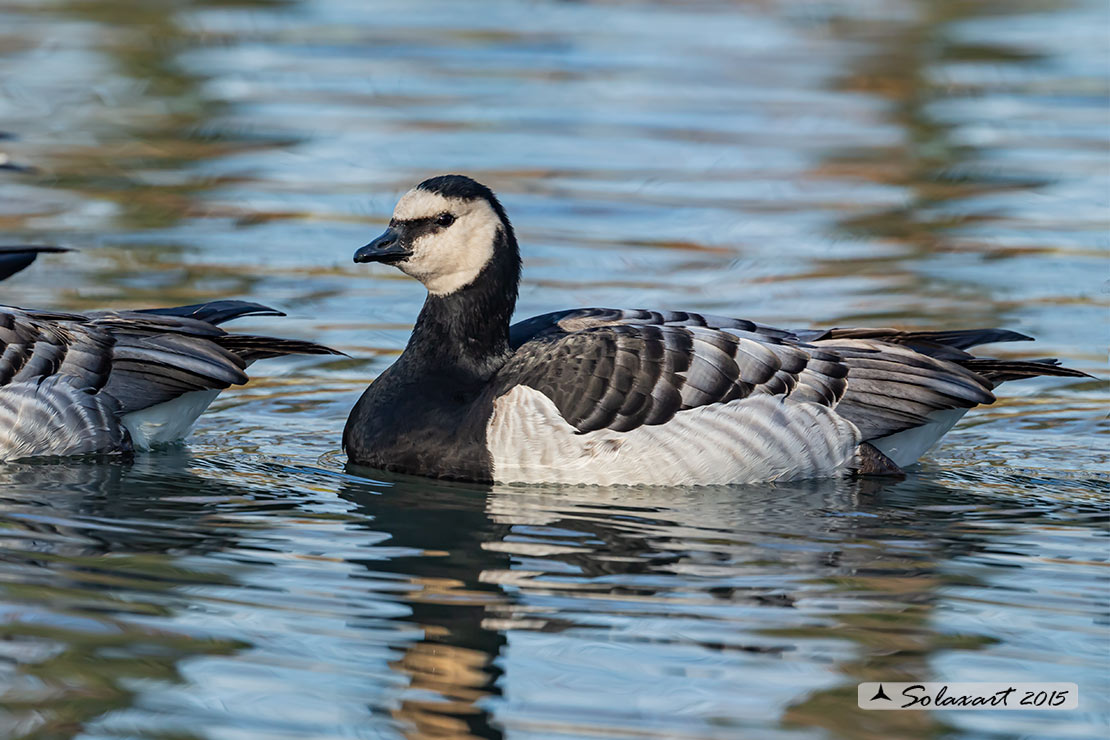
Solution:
(445, 219)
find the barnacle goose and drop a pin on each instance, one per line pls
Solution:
(609, 396)
(112, 381)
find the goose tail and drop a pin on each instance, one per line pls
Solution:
(999, 371)
(246, 346)
(952, 345)
(251, 348)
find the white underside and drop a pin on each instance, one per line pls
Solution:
(167, 422)
(757, 439)
(904, 448)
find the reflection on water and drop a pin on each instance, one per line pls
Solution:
(169, 597)
(937, 163)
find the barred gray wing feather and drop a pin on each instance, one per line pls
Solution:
(953, 345)
(161, 354)
(214, 312)
(577, 319)
(999, 371)
(251, 348)
(944, 345)
(138, 322)
(32, 348)
(883, 380)
(892, 387)
(605, 374)
(152, 369)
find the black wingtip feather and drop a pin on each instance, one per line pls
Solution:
(14, 258)
(961, 339)
(36, 248)
(1000, 371)
(252, 348)
(968, 338)
(216, 312)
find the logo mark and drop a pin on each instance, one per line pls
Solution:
(934, 695)
(880, 694)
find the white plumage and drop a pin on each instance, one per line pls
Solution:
(762, 438)
(169, 421)
(906, 447)
(52, 416)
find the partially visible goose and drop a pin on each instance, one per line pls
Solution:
(111, 381)
(610, 396)
(15, 258)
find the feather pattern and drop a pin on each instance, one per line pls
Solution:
(604, 372)
(54, 416)
(68, 381)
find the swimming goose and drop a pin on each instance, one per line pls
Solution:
(610, 396)
(111, 381)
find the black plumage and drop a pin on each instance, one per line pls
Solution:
(14, 258)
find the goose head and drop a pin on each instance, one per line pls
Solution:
(445, 232)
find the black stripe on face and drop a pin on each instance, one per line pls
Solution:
(414, 228)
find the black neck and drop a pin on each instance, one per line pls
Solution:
(468, 330)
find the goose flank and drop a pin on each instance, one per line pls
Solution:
(638, 397)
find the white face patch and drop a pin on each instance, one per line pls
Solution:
(451, 257)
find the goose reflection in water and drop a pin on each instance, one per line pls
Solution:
(437, 610)
(585, 590)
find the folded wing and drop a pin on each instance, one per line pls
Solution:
(620, 369)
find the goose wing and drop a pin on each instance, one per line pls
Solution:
(606, 368)
(138, 362)
(138, 358)
(619, 369)
(35, 345)
(67, 380)
(52, 371)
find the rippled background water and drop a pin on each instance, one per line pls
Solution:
(937, 163)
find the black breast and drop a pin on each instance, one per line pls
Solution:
(421, 424)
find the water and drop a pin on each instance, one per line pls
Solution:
(920, 163)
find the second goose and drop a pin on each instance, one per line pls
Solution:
(111, 381)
